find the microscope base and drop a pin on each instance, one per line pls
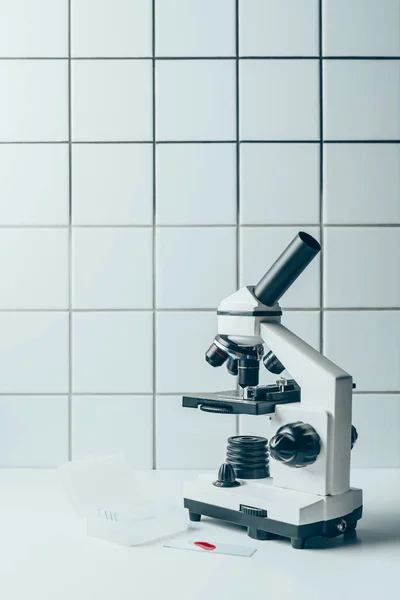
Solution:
(269, 511)
(261, 528)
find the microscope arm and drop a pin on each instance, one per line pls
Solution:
(312, 371)
(324, 388)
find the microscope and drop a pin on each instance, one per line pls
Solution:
(304, 491)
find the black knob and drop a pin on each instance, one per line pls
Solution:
(226, 477)
(295, 445)
(354, 436)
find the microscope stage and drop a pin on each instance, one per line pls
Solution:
(231, 402)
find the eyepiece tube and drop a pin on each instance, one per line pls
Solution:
(286, 269)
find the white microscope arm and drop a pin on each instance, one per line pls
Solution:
(324, 387)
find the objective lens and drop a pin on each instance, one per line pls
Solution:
(248, 372)
(215, 356)
(232, 366)
(273, 364)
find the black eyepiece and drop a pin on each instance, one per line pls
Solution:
(215, 356)
(286, 269)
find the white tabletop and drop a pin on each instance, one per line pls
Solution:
(45, 553)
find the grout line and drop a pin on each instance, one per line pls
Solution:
(11, 226)
(154, 341)
(155, 225)
(321, 182)
(200, 226)
(360, 308)
(237, 422)
(325, 225)
(366, 141)
(381, 393)
(152, 394)
(29, 142)
(195, 142)
(180, 58)
(234, 141)
(360, 57)
(150, 309)
(69, 240)
(197, 225)
(194, 309)
(361, 225)
(262, 141)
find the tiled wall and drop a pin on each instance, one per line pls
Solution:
(153, 157)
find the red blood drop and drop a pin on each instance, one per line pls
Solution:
(205, 545)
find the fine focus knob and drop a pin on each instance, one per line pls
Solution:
(354, 436)
(295, 445)
(226, 477)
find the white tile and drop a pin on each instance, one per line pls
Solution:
(111, 28)
(195, 100)
(111, 100)
(189, 438)
(356, 178)
(361, 100)
(376, 418)
(366, 345)
(279, 100)
(34, 184)
(112, 352)
(34, 28)
(195, 267)
(196, 184)
(361, 27)
(305, 324)
(202, 28)
(261, 246)
(276, 28)
(113, 424)
(279, 183)
(366, 263)
(182, 339)
(112, 267)
(34, 268)
(112, 184)
(33, 431)
(33, 353)
(35, 107)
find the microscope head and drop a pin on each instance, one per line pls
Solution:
(240, 314)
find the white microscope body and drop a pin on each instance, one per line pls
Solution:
(308, 493)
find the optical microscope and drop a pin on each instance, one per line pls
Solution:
(305, 491)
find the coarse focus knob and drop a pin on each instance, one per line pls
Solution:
(226, 477)
(295, 445)
(354, 436)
